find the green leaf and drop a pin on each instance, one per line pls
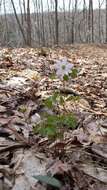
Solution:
(70, 121)
(66, 77)
(48, 127)
(61, 101)
(22, 108)
(51, 132)
(55, 96)
(41, 130)
(74, 73)
(52, 120)
(49, 102)
(49, 180)
(53, 76)
(73, 98)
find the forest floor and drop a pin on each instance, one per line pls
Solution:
(78, 160)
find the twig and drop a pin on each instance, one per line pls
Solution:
(69, 91)
(18, 136)
(18, 163)
(12, 147)
(93, 111)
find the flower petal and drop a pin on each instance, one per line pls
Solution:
(63, 67)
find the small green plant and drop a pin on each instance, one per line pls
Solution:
(54, 100)
(69, 121)
(66, 77)
(74, 73)
(22, 109)
(53, 76)
(53, 126)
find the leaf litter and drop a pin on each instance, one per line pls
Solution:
(79, 159)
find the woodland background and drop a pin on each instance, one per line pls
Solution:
(76, 22)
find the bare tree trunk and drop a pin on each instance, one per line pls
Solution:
(69, 17)
(92, 12)
(72, 24)
(52, 20)
(91, 22)
(100, 3)
(72, 30)
(28, 24)
(84, 20)
(106, 22)
(6, 24)
(43, 29)
(75, 21)
(69, 7)
(24, 8)
(56, 23)
(40, 20)
(22, 20)
(17, 19)
(49, 23)
(64, 20)
(0, 4)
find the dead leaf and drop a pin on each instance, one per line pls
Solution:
(94, 171)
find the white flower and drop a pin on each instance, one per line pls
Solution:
(63, 67)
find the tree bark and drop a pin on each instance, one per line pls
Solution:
(17, 19)
(91, 22)
(28, 24)
(56, 23)
(106, 22)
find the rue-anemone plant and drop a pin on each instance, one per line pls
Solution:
(53, 126)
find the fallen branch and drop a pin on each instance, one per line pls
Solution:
(69, 91)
